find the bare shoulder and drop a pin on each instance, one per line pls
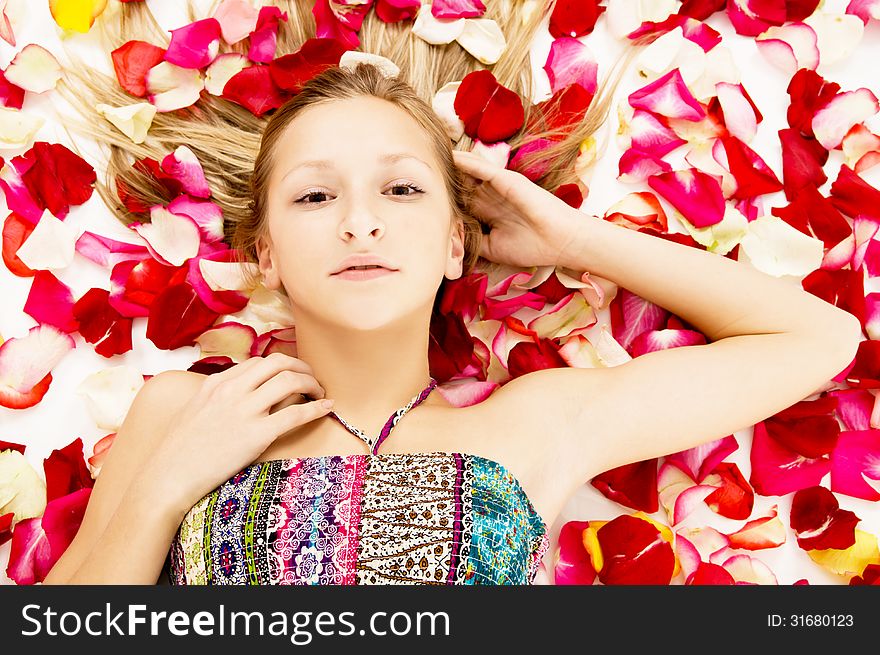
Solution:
(534, 416)
(140, 434)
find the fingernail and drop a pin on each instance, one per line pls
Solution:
(327, 404)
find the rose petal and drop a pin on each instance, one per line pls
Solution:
(834, 120)
(574, 19)
(634, 552)
(699, 461)
(857, 452)
(490, 111)
(222, 69)
(435, 30)
(572, 564)
(26, 362)
(237, 19)
(132, 61)
(204, 213)
(734, 497)
(34, 69)
(184, 166)
(632, 485)
(177, 316)
(763, 532)
(818, 521)
(108, 394)
(51, 245)
(75, 16)
(749, 570)
(22, 490)
(777, 470)
(852, 560)
(678, 494)
(132, 120)
(668, 96)
(265, 36)
(171, 87)
(790, 47)
(482, 38)
(694, 193)
(17, 129)
(571, 62)
(253, 88)
(171, 238)
(194, 45)
(774, 247)
(230, 339)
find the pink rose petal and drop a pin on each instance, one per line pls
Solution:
(571, 62)
(668, 96)
(194, 45)
(184, 166)
(695, 194)
(237, 18)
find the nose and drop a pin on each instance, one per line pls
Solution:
(360, 221)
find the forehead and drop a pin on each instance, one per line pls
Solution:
(352, 130)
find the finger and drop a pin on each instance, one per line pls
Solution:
(266, 367)
(475, 165)
(294, 416)
(281, 386)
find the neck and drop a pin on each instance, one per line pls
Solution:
(369, 374)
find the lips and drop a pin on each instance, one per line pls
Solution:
(363, 274)
(363, 259)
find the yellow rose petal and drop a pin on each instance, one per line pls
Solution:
(852, 560)
(76, 15)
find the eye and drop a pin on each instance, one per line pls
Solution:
(407, 185)
(317, 192)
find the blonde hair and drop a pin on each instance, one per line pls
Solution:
(234, 146)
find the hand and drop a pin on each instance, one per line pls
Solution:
(529, 226)
(229, 422)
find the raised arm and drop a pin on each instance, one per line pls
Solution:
(772, 344)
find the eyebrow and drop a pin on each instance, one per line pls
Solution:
(388, 158)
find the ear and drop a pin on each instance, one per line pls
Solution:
(266, 264)
(455, 253)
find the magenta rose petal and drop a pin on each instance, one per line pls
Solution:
(695, 194)
(264, 38)
(194, 45)
(855, 462)
(777, 470)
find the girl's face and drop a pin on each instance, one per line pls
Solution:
(358, 176)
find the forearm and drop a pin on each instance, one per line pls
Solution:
(135, 543)
(717, 295)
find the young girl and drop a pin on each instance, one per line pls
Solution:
(359, 207)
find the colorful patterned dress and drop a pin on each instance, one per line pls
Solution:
(380, 518)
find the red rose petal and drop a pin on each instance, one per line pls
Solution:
(131, 61)
(66, 471)
(574, 17)
(490, 111)
(632, 485)
(177, 316)
(16, 230)
(102, 325)
(634, 552)
(818, 521)
(735, 498)
(253, 88)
